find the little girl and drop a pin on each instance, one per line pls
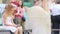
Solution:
(8, 23)
(20, 14)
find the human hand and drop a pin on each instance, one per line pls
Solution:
(15, 26)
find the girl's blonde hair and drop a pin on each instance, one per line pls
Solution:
(8, 9)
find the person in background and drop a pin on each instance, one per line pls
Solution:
(36, 2)
(20, 19)
(55, 18)
(8, 17)
(14, 3)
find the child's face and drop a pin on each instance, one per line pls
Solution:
(13, 9)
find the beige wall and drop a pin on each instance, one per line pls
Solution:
(0, 1)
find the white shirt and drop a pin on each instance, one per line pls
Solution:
(55, 9)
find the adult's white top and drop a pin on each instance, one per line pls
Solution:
(55, 9)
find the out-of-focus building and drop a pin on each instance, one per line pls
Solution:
(25, 2)
(4, 1)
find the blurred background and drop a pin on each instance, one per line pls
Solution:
(27, 3)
